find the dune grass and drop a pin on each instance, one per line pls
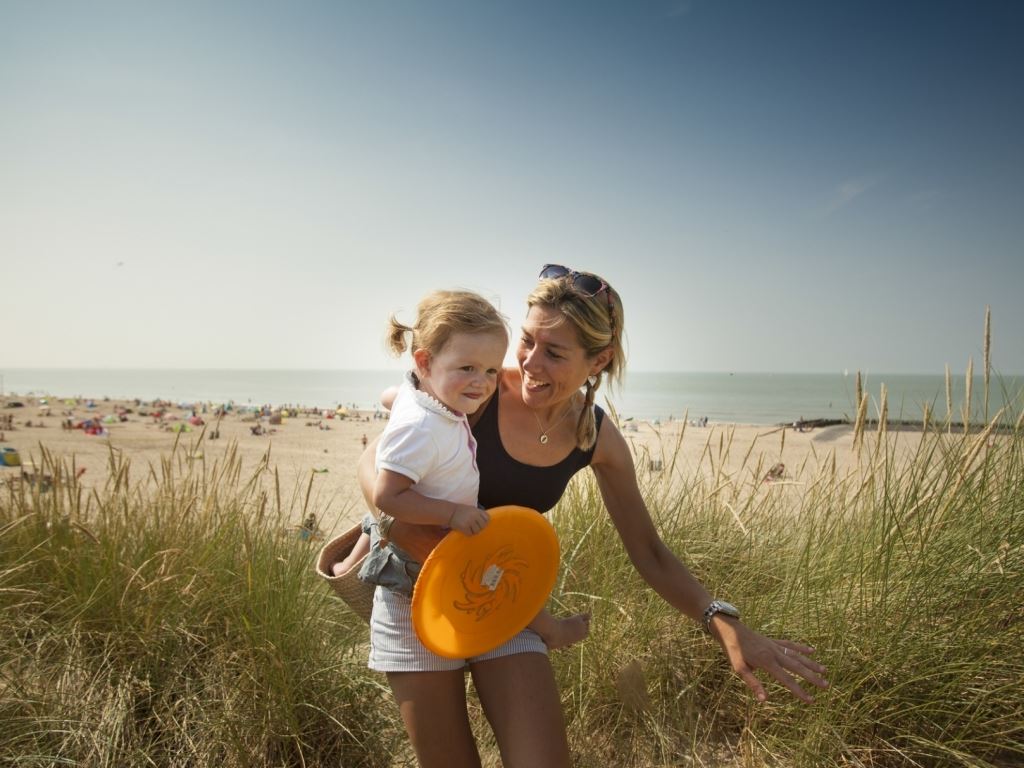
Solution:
(170, 623)
(174, 627)
(906, 574)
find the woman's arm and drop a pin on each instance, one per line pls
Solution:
(746, 649)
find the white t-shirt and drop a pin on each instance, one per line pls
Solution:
(430, 445)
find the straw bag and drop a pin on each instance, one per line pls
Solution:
(357, 594)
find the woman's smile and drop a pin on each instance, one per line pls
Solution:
(551, 359)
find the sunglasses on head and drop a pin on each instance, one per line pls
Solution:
(585, 283)
(588, 285)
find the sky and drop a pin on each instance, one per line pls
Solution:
(770, 186)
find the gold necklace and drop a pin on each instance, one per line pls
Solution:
(544, 432)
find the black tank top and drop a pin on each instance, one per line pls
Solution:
(503, 480)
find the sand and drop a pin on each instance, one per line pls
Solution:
(304, 446)
(310, 445)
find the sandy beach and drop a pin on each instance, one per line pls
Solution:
(324, 446)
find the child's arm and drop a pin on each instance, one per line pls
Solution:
(393, 495)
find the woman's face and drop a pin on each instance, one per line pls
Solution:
(553, 363)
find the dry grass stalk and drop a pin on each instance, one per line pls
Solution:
(967, 394)
(858, 427)
(883, 417)
(949, 398)
(859, 389)
(986, 355)
(632, 687)
(964, 467)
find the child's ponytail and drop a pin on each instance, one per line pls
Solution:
(396, 338)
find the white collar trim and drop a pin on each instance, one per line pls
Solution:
(429, 402)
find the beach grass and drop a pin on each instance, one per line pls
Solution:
(178, 626)
(906, 574)
(173, 623)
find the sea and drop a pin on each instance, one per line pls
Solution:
(740, 398)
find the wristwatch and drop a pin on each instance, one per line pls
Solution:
(718, 606)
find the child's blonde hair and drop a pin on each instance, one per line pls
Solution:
(440, 315)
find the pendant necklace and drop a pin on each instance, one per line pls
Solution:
(544, 432)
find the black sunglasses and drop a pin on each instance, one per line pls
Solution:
(587, 284)
(584, 282)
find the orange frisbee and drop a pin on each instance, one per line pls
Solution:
(475, 593)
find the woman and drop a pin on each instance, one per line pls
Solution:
(535, 432)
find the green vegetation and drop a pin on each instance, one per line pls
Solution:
(174, 627)
(906, 574)
(177, 626)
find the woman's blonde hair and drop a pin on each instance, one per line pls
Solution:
(441, 314)
(598, 321)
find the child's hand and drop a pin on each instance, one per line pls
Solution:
(468, 520)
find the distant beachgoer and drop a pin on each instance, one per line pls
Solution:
(308, 527)
(364, 440)
(777, 472)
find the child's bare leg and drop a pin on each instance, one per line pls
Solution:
(561, 633)
(360, 548)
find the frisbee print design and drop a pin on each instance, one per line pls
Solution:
(491, 583)
(476, 592)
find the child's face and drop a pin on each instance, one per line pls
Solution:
(465, 372)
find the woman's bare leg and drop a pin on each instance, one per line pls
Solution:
(522, 704)
(433, 708)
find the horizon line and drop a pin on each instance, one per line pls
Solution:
(846, 372)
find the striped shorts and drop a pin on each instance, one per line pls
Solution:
(394, 646)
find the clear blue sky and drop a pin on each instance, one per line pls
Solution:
(772, 186)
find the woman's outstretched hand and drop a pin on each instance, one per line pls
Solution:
(784, 660)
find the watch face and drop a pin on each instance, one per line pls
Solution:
(719, 606)
(728, 609)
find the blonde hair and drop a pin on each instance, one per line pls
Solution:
(598, 321)
(439, 316)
